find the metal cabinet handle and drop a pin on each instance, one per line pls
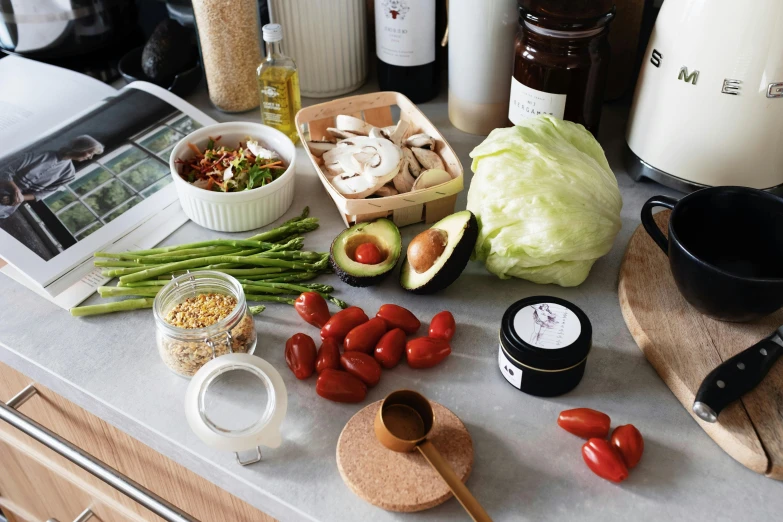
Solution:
(84, 516)
(84, 460)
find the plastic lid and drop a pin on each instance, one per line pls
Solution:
(237, 402)
(546, 333)
(272, 32)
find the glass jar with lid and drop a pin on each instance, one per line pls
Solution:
(561, 57)
(199, 317)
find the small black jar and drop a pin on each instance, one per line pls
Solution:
(544, 343)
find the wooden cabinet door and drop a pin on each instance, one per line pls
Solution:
(32, 492)
(200, 498)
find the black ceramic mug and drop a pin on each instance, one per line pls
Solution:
(725, 250)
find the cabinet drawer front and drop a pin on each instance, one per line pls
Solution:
(33, 491)
(181, 487)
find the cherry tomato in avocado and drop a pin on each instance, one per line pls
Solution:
(426, 352)
(389, 349)
(584, 422)
(443, 326)
(313, 309)
(340, 386)
(343, 322)
(368, 254)
(604, 460)
(362, 366)
(399, 317)
(364, 337)
(629, 443)
(300, 355)
(328, 356)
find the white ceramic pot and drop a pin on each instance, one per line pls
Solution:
(236, 211)
(328, 41)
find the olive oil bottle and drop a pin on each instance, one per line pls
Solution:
(278, 85)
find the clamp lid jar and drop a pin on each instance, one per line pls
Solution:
(199, 317)
(544, 343)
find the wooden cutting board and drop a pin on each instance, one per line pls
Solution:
(684, 346)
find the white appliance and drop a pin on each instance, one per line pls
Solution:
(708, 107)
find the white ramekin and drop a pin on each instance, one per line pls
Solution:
(236, 211)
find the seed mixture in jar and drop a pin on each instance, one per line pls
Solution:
(185, 354)
(201, 311)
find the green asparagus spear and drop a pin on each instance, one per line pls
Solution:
(157, 270)
(116, 291)
(255, 310)
(116, 306)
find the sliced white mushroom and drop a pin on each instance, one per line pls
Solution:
(403, 181)
(421, 140)
(431, 178)
(428, 159)
(333, 169)
(352, 124)
(385, 191)
(318, 147)
(367, 164)
(375, 132)
(398, 134)
(413, 164)
(353, 185)
(341, 134)
(330, 156)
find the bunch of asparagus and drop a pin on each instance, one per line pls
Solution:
(271, 266)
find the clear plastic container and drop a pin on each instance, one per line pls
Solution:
(186, 350)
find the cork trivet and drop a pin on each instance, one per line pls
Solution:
(401, 481)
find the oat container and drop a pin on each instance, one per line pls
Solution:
(184, 345)
(544, 343)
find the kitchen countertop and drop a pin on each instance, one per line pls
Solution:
(526, 468)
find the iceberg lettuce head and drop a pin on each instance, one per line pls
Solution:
(547, 203)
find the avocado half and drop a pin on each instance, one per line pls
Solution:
(382, 233)
(462, 232)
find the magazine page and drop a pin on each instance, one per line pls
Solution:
(31, 107)
(84, 186)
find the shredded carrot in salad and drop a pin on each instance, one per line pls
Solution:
(224, 169)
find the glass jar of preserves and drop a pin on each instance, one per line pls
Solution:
(561, 57)
(201, 316)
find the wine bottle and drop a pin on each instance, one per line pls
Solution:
(405, 44)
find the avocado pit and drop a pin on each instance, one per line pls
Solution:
(426, 248)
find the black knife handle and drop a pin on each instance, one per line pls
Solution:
(736, 376)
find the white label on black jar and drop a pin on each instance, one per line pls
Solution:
(405, 32)
(525, 102)
(509, 371)
(547, 325)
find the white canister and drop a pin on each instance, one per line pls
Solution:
(481, 60)
(328, 41)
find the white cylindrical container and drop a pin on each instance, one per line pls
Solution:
(328, 41)
(481, 59)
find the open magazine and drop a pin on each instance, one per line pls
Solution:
(83, 168)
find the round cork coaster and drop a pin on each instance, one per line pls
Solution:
(401, 481)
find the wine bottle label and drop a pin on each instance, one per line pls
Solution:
(405, 32)
(527, 103)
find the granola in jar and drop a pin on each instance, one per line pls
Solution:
(200, 317)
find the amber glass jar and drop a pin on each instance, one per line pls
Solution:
(561, 57)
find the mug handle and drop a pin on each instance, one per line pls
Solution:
(649, 223)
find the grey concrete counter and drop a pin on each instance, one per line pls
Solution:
(526, 468)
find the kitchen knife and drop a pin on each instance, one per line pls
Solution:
(737, 376)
